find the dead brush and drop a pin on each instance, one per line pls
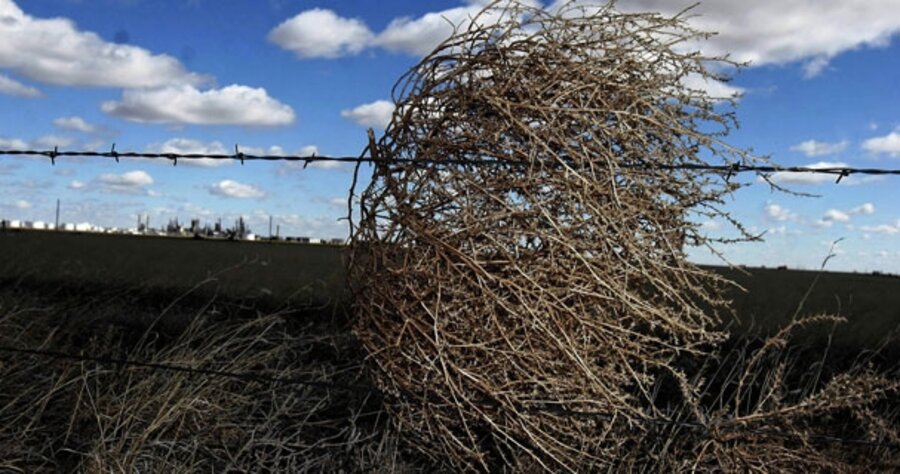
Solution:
(520, 250)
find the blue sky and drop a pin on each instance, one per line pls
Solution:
(302, 76)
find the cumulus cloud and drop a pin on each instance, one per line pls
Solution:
(888, 144)
(886, 229)
(376, 114)
(779, 213)
(74, 124)
(55, 51)
(810, 32)
(864, 209)
(13, 144)
(836, 216)
(50, 141)
(309, 150)
(10, 86)
(419, 36)
(778, 32)
(233, 189)
(321, 33)
(185, 104)
(815, 66)
(813, 148)
(131, 182)
(22, 204)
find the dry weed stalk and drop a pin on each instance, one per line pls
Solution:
(531, 260)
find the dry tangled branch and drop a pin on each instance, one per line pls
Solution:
(490, 296)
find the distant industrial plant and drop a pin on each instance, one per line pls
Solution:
(216, 231)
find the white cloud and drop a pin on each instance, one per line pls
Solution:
(131, 182)
(779, 213)
(783, 230)
(22, 204)
(321, 33)
(50, 141)
(54, 51)
(779, 32)
(834, 215)
(886, 229)
(13, 144)
(815, 66)
(231, 105)
(233, 189)
(273, 150)
(864, 209)
(376, 114)
(10, 86)
(762, 32)
(888, 144)
(419, 36)
(813, 148)
(74, 124)
(77, 185)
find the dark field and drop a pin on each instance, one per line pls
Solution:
(277, 311)
(275, 274)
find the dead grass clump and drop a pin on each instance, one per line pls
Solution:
(768, 408)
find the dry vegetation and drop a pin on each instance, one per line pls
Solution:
(62, 416)
(521, 298)
(519, 277)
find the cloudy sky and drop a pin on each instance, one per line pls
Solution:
(298, 76)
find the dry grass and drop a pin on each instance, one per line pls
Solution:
(60, 416)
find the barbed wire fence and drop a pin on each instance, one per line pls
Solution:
(726, 170)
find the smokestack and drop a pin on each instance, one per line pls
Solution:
(270, 227)
(57, 214)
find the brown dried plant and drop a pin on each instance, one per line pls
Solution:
(520, 251)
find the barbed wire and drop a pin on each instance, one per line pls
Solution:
(840, 172)
(547, 408)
